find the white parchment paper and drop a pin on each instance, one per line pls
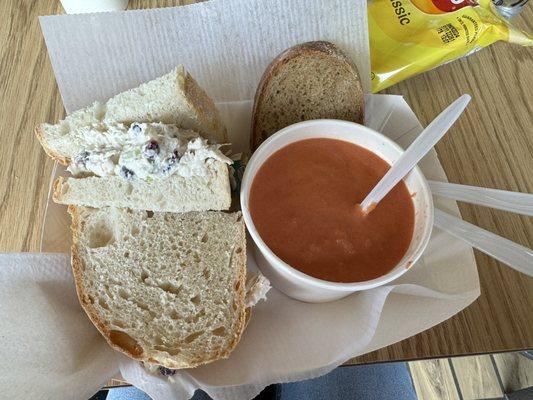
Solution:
(50, 348)
(289, 340)
(226, 43)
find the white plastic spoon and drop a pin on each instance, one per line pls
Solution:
(516, 202)
(418, 149)
(514, 255)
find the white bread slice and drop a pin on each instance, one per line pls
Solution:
(174, 98)
(174, 194)
(163, 288)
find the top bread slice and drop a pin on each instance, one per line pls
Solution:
(313, 80)
(174, 98)
(164, 288)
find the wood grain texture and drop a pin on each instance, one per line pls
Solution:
(516, 371)
(29, 94)
(433, 380)
(490, 146)
(476, 377)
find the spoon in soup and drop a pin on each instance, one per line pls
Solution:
(516, 256)
(418, 149)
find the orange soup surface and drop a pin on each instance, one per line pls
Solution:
(304, 204)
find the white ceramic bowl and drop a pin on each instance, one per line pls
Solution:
(303, 287)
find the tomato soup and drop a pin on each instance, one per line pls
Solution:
(304, 204)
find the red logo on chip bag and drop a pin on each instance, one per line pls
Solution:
(442, 6)
(453, 5)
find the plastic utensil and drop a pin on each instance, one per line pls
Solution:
(521, 203)
(514, 255)
(418, 149)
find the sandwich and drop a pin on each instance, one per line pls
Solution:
(155, 147)
(174, 98)
(159, 265)
(147, 166)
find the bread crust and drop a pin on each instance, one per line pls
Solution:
(39, 133)
(199, 101)
(56, 189)
(301, 50)
(77, 270)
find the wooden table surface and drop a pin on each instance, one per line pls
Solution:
(491, 145)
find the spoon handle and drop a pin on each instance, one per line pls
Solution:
(508, 252)
(516, 202)
(418, 149)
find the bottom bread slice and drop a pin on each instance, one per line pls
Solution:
(175, 194)
(164, 288)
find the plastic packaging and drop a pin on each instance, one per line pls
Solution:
(408, 37)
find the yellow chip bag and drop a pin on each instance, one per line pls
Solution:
(412, 36)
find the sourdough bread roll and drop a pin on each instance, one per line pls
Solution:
(164, 288)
